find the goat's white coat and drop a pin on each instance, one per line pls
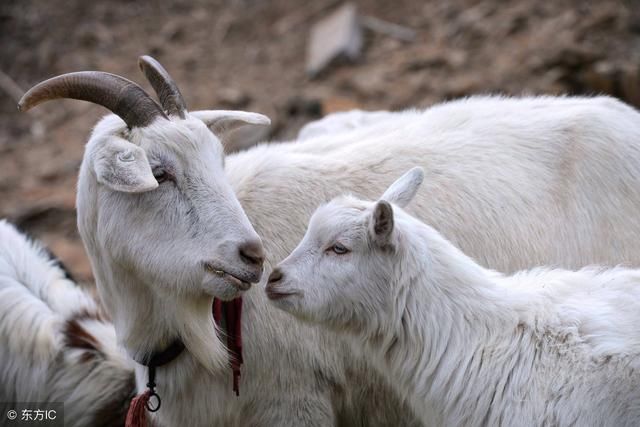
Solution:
(463, 344)
(341, 122)
(513, 182)
(36, 362)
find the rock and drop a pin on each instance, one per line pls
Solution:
(301, 106)
(173, 31)
(619, 80)
(335, 104)
(336, 37)
(390, 29)
(232, 98)
(368, 82)
(630, 84)
(38, 129)
(572, 57)
(600, 78)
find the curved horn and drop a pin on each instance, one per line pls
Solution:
(170, 97)
(123, 97)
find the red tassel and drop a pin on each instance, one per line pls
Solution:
(235, 341)
(233, 330)
(137, 414)
(217, 310)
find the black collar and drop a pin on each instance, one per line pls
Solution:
(151, 361)
(221, 312)
(159, 358)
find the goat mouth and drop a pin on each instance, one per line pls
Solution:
(234, 280)
(238, 283)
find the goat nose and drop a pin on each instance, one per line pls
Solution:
(275, 276)
(252, 252)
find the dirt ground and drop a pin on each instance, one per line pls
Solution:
(250, 54)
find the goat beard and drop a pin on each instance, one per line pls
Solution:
(199, 333)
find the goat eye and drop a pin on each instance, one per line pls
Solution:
(339, 249)
(160, 175)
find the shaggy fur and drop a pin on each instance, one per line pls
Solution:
(463, 344)
(54, 344)
(150, 247)
(513, 182)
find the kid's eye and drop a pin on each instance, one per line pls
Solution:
(339, 249)
(161, 175)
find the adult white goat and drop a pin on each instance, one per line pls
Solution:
(463, 344)
(501, 171)
(55, 345)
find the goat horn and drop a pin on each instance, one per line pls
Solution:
(123, 97)
(166, 88)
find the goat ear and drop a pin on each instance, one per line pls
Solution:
(123, 166)
(381, 223)
(402, 191)
(223, 121)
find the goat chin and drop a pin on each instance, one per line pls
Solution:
(199, 333)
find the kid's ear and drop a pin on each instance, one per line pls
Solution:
(402, 191)
(381, 223)
(224, 121)
(123, 166)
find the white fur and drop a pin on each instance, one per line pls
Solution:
(37, 363)
(513, 182)
(463, 344)
(341, 122)
(148, 250)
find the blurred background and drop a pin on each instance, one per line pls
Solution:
(292, 60)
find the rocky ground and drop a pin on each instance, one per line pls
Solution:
(251, 55)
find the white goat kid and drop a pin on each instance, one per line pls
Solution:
(463, 344)
(55, 345)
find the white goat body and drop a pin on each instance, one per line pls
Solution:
(514, 182)
(463, 344)
(55, 346)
